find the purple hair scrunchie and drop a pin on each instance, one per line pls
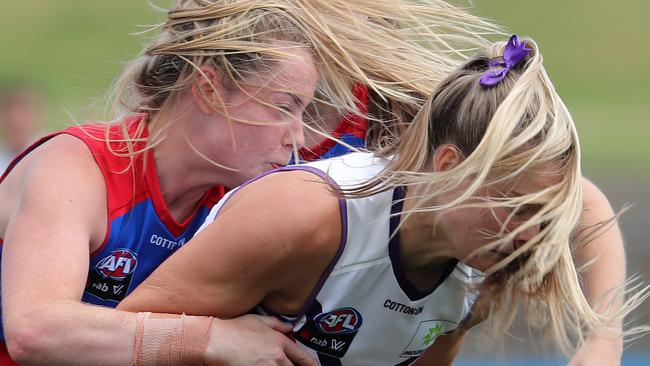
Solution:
(514, 53)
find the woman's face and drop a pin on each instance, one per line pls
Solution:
(272, 103)
(470, 228)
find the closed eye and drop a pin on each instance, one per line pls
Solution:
(284, 107)
(527, 210)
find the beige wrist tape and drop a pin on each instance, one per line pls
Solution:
(169, 339)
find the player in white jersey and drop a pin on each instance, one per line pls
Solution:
(375, 256)
(365, 309)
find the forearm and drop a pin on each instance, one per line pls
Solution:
(604, 278)
(604, 255)
(70, 333)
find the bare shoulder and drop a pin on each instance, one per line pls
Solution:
(58, 176)
(64, 162)
(299, 203)
(61, 151)
(273, 238)
(592, 195)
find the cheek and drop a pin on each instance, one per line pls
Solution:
(496, 218)
(483, 220)
(267, 138)
(257, 143)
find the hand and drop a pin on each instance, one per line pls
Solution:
(253, 340)
(598, 351)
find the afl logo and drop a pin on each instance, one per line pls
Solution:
(117, 265)
(339, 321)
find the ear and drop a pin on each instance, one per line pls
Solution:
(446, 157)
(208, 90)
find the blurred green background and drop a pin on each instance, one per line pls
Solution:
(595, 51)
(597, 54)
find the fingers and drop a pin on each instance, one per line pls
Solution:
(297, 355)
(293, 351)
(275, 324)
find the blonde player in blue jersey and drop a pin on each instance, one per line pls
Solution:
(373, 256)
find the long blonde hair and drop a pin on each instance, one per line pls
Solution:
(504, 132)
(400, 49)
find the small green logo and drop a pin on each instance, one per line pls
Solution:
(432, 334)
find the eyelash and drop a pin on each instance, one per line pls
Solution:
(285, 107)
(525, 210)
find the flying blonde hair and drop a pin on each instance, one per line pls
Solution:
(506, 132)
(400, 49)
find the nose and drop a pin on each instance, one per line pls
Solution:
(526, 235)
(295, 134)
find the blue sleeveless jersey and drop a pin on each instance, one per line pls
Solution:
(141, 232)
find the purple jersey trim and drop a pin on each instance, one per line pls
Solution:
(404, 283)
(231, 193)
(343, 209)
(344, 231)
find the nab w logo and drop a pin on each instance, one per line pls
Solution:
(117, 265)
(339, 321)
(330, 333)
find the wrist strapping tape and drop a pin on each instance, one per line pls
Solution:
(169, 339)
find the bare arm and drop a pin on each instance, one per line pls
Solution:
(44, 271)
(255, 252)
(606, 273)
(45, 262)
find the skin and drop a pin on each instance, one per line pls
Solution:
(602, 348)
(238, 262)
(267, 271)
(277, 297)
(605, 347)
(58, 186)
(607, 272)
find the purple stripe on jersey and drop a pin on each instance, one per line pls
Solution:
(261, 310)
(344, 228)
(404, 283)
(344, 237)
(231, 193)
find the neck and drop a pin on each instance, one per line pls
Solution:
(424, 251)
(182, 182)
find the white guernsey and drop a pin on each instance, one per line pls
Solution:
(364, 311)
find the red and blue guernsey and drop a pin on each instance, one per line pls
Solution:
(141, 232)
